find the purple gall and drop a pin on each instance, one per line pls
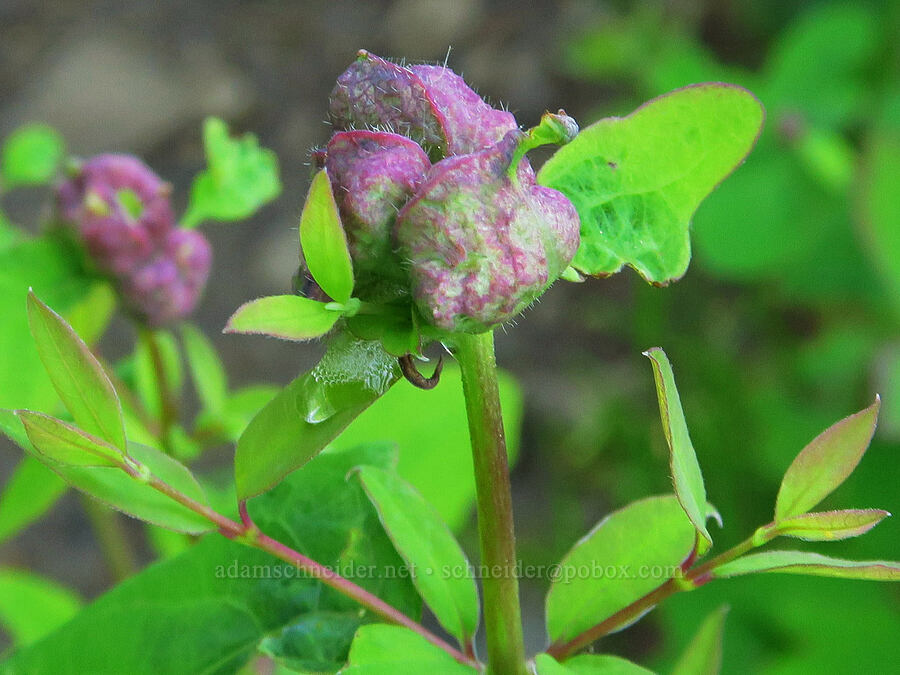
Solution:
(484, 244)
(121, 211)
(472, 238)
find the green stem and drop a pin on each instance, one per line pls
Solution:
(500, 585)
(168, 408)
(113, 540)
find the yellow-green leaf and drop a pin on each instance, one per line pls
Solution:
(288, 317)
(323, 241)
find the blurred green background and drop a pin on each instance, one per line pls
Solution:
(788, 319)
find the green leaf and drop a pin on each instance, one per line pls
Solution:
(880, 211)
(32, 606)
(90, 315)
(805, 562)
(588, 664)
(239, 179)
(637, 181)
(61, 442)
(703, 655)
(241, 407)
(817, 66)
(318, 642)
(380, 649)
(288, 317)
(310, 412)
(76, 374)
(323, 241)
(52, 266)
(206, 610)
(31, 155)
(830, 525)
(439, 568)
(207, 371)
(431, 430)
(28, 494)
(117, 489)
(628, 554)
(825, 463)
(686, 475)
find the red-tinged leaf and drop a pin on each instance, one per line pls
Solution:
(831, 525)
(825, 463)
(66, 444)
(805, 562)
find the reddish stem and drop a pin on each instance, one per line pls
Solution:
(248, 533)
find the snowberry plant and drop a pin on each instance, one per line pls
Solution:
(425, 224)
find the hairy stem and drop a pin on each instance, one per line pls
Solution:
(692, 579)
(111, 536)
(248, 533)
(500, 585)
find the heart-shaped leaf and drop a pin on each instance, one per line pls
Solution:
(288, 317)
(637, 181)
(806, 562)
(323, 241)
(628, 554)
(438, 567)
(78, 377)
(825, 463)
(686, 474)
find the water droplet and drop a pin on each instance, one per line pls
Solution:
(319, 407)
